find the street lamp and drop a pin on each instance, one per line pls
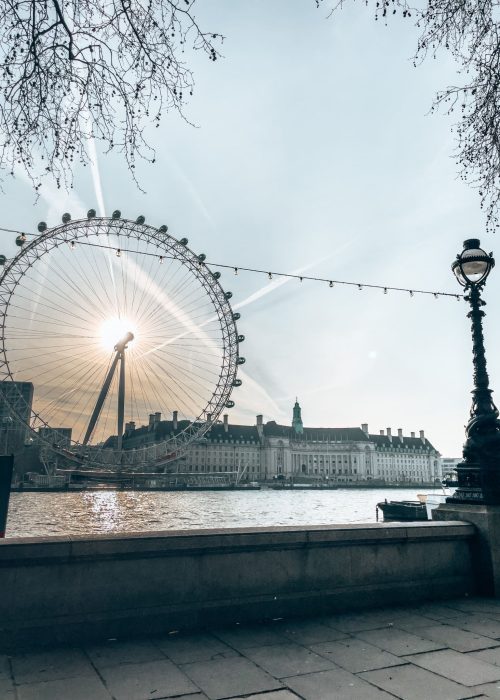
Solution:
(479, 473)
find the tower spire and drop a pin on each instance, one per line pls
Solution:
(297, 424)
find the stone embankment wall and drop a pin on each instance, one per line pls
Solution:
(72, 589)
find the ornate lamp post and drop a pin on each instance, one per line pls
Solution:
(479, 473)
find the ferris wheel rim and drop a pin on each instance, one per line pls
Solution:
(74, 230)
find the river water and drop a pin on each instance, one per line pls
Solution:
(101, 512)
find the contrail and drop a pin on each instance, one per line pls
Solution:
(96, 176)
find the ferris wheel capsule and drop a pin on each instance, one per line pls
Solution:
(91, 213)
(42, 226)
(163, 229)
(140, 220)
(20, 240)
(230, 404)
(236, 316)
(237, 382)
(228, 295)
(241, 338)
(216, 275)
(116, 214)
(184, 241)
(202, 257)
(240, 361)
(66, 218)
(3, 259)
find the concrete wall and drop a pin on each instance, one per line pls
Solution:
(70, 589)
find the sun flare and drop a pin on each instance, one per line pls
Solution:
(114, 329)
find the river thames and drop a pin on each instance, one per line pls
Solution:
(101, 512)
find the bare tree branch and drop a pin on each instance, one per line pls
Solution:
(470, 31)
(74, 69)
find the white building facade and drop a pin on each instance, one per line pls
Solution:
(269, 450)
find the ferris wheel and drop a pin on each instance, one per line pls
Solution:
(127, 336)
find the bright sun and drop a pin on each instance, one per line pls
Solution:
(113, 329)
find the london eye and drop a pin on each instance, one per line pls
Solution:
(125, 333)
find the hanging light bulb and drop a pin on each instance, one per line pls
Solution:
(301, 278)
(385, 290)
(270, 275)
(72, 245)
(360, 287)
(118, 252)
(161, 259)
(331, 283)
(435, 295)
(411, 292)
(235, 270)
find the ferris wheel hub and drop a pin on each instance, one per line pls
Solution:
(123, 342)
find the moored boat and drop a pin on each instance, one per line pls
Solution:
(402, 510)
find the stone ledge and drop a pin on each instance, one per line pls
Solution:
(34, 550)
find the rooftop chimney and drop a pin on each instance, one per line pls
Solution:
(422, 436)
(412, 434)
(364, 428)
(157, 417)
(389, 434)
(400, 434)
(260, 426)
(209, 417)
(381, 432)
(174, 419)
(151, 420)
(226, 424)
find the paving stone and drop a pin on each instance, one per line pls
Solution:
(480, 624)
(50, 665)
(489, 690)
(288, 660)
(412, 623)
(311, 632)
(398, 641)
(355, 655)
(251, 636)
(375, 619)
(456, 638)
(152, 679)
(412, 683)
(435, 611)
(274, 695)
(491, 656)
(115, 653)
(228, 678)
(187, 648)
(336, 684)
(76, 688)
(457, 667)
(480, 605)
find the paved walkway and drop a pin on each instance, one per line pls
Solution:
(445, 651)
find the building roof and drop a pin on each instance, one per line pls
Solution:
(405, 442)
(165, 428)
(273, 429)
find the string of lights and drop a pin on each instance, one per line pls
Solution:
(271, 274)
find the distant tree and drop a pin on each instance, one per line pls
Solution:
(470, 31)
(74, 69)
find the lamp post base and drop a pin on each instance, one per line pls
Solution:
(478, 484)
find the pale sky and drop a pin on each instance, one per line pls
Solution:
(314, 150)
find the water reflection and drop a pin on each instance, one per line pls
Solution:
(94, 512)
